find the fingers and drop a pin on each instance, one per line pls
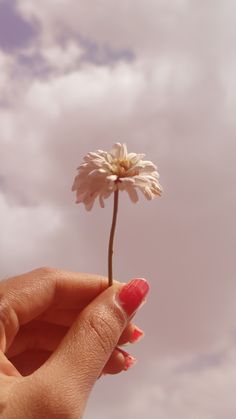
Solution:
(6, 367)
(36, 341)
(115, 363)
(64, 317)
(89, 344)
(119, 361)
(40, 335)
(27, 296)
(28, 362)
(131, 334)
(89, 347)
(33, 341)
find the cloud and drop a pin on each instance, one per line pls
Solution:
(180, 389)
(20, 238)
(160, 76)
(94, 20)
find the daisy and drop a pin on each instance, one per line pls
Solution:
(103, 173)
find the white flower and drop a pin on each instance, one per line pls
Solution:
(104, 172)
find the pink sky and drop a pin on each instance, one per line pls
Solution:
(160, 76)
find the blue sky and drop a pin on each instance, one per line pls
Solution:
(15, 31)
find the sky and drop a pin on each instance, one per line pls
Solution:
(159, 75)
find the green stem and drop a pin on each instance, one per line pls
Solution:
(112, 233)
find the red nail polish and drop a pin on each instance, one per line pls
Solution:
(137, 335)
(129, 360)
(132, 295)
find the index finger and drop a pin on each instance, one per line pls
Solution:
(24, 297)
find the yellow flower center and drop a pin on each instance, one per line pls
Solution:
(121, 167)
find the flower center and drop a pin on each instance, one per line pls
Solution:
(121, 167)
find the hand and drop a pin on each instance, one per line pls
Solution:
(59, 332)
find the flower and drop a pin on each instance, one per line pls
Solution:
(104, 172)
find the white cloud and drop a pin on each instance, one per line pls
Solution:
(95, 20)
(88, 88)
(5, 66)
(50, 114)
(24, 230)
(172, 389)
(174, 101)
(62, 58)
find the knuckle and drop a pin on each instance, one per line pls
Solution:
(42, 398)
(46, 271)
(58, 406)
(105, 331)
(59, 401)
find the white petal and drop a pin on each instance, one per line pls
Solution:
(101, 201)
(95, 172)
(82, 165)
(94, 154)
(109, 158)
(107, 166)
(135, 157)
(127, 179)
(107, 193)
(123, 152)
(98, 162)
(147, 193)
(140, 180)
(102, 153)
(113, 178)
(96, 179)
(89, 158)
(132, 194)
(79, 199)
(89, 205)
(115, 151)
(73, 188)
(157, 189)
(146, 166)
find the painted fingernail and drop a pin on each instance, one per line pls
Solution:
(129, 360)
(133, 294)
(137, 335)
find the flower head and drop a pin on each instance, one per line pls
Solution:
(104, 172)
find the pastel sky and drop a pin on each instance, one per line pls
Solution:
(76, 76)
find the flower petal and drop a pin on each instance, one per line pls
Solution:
(115, 151)
(101, 173)
(101, 201)
(132, 194)
(127, 180)
(113, 178)
(123, 152)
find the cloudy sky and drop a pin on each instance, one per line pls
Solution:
(77, 76)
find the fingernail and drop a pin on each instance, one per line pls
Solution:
(129, 360)
(137, 335)
(132, 295)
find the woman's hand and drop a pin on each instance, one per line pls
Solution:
(59, 332)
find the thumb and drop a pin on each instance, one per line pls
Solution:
(84, 351)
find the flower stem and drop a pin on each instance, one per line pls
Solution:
(111, 240)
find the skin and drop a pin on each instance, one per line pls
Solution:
(58, 334)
